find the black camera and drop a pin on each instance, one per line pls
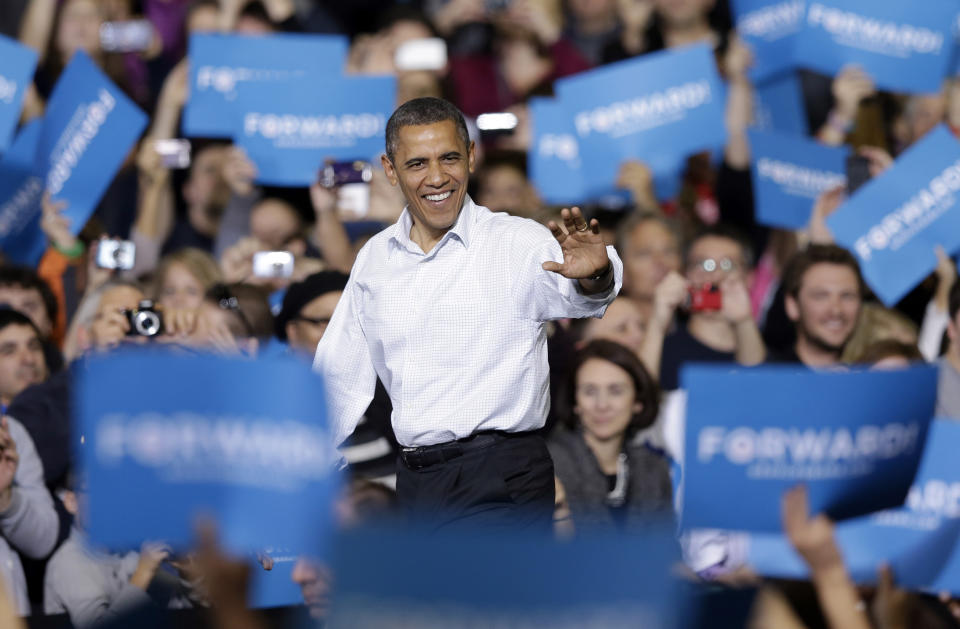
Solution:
(146, 320)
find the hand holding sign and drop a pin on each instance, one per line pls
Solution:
(152, 554)
(850, 88)
(812, 537)
(55, 225)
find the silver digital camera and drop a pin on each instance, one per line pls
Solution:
(146, 320)
(116, 254)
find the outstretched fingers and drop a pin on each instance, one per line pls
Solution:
(559, 233)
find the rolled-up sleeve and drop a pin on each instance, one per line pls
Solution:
(545, 295)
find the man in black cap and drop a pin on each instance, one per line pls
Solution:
(307, 307)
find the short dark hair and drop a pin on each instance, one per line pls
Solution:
(249, 304)
(26, 278)
(9, 316)
(801, 262)
(423, 111)
(644, 386)
(255, 10)
(729, 232)
(301, 293)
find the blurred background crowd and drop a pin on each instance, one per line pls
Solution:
(703, 280)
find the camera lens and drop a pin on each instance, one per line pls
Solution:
(147, 323)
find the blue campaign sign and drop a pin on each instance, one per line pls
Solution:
(289, 130)
(769, 28)
(893, 223)
(482, 578)
(88, 130)
(221, 65)
(855, 441)
(21, 239)
(244, 442)
(778, 105)
(789, 173)
(556, 169)
(904, 46)
(664, 105)
(275, 587)
(17, 64)
(917, 540)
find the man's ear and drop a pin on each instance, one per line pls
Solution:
(69, 500)
(389, 169)
(792, 307)
(472, 156)
(291, 330)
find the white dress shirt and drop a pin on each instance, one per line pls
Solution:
(457, 335)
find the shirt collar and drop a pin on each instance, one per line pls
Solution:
(461, 229)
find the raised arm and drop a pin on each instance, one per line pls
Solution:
(37, 25)
(814, 541)
(850, 87)
(28, 520)
(329, 234)
(667, 297)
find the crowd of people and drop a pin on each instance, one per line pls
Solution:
(702, 281)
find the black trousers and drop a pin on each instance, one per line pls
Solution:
(506, 485)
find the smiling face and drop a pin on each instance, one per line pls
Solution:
(432, 166)
(21, 360)
(180, 289)
(606, 399)
(622, 323)
(827, 306)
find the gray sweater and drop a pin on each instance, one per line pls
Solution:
(649, 489)
(88, 585)
(29, 524)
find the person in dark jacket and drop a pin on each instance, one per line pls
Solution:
(609, 481)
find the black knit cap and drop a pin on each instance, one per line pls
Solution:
(302, 293)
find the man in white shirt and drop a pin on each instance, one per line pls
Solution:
(448, 307)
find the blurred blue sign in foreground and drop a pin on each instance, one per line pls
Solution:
(854, 438)
(918, 541)
(169, 437)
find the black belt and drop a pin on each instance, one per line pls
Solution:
(423, 456)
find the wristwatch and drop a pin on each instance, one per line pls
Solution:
(599, 275)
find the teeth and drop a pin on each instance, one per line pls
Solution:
(438, 197)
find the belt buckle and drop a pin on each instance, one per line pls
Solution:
(406, 452)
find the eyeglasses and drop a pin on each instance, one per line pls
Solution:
(318, 321)
(226, 300)
(710, 265)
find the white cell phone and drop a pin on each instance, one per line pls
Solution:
(421, 54)
(116, 254)
(174, 153)
(273, 264)
(126, 36)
